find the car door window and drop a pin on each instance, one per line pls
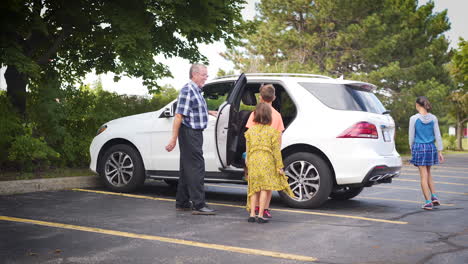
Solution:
(286, 107)
(215, 94)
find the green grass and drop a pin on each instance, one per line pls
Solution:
(51, 173)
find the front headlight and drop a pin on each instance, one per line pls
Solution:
(101, 129)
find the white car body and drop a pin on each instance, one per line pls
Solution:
(352, 162)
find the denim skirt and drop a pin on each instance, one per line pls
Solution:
(424, 154)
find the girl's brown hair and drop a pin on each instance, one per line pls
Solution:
(424, 102)
(262, 114)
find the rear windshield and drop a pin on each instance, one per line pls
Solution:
(345, 97)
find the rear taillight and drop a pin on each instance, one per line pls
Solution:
(360, 130)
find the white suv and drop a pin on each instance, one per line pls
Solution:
(339, 138)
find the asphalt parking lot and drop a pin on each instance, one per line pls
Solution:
(384, 224)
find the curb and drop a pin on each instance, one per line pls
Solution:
(52, 184)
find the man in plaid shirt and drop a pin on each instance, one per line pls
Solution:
(191, 118)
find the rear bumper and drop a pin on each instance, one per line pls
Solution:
(381, 174)
(359, 170)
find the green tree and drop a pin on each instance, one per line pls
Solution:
(71, 38)
(166, 94)
(395, 44)
(222, 72)
(459, 97)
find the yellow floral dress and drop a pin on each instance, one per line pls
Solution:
(264, 161)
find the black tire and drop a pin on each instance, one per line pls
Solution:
(316, 181)
(121, 168)
(345, 193)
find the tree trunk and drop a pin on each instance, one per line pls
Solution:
(460, 133)
(16, 88)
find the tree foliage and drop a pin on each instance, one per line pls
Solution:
(395, 44)
(61, 123)
(71, 38)
(459, 97)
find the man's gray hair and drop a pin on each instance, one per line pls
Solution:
(196, 67)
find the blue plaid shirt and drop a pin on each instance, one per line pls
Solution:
(192, 106)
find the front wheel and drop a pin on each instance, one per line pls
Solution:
(122, 168)
(310, 179)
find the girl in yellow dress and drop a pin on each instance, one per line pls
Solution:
(264, 163)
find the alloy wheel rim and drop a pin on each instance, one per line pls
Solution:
(119, 169)
(304, 180)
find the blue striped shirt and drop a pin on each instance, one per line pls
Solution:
(192, 106)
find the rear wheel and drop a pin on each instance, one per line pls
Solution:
(122, 168)
(345, 193)
(310, 179)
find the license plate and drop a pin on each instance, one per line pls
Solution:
(386, 136)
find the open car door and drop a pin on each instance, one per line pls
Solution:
(227, 129)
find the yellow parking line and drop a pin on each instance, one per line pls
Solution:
(437, 168)
(436, 176)
(441, 167)
(125, 194)
(248, 251)
(416, 189)
(239, 206)
(317, 213)
(391, 199)
(439, 182)
(358, 197)
(343, 216)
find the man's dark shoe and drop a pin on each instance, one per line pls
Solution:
(204, 211)
(183, 208)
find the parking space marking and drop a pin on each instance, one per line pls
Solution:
(441, 167)
(391, 199)
(446, 169)
(439, 182)
(240, 206)
(437, 176)
(415, 189)
(125, 194)
(359, 197)
(248, 251)
(317, 213)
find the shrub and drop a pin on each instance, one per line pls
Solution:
(449, 142)
(10, 128)
(401, 142)
(30, 153)
(63, 122)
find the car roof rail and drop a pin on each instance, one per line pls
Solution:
(278, 74)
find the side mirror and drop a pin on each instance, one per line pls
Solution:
(168, 112)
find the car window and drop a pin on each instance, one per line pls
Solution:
(215, 94)
(287, 108)
(345, 97)
(249, 107)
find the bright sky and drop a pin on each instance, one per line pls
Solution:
(180, 67)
